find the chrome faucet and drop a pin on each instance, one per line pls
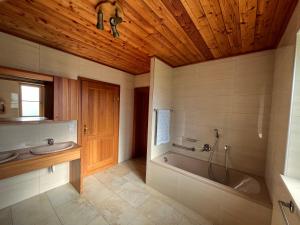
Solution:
(50, 141)
(206, 148)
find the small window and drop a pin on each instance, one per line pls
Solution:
(31, 100)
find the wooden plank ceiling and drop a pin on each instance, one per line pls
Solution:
(179, 32)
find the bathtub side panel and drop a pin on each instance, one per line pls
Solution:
(163, 180)
(200, 197)
(221, 207)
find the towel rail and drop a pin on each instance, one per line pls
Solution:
(290, 206)
(163, 109)
(184, 147)
(189, 139)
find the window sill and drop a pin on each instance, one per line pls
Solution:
(293, 187)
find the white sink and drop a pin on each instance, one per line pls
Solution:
(8, 156)
(48, 149)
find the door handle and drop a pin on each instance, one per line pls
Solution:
(85, 129)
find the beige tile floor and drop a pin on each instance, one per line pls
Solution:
(117, 196)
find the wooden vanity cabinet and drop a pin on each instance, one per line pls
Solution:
(66, 98)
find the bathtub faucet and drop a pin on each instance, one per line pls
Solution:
(206, 148)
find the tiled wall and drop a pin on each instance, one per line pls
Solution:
(24, 186)
(160, 97)
(232, 95)
(280, 114)
(22, 54)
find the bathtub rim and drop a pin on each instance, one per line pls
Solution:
(223, 187)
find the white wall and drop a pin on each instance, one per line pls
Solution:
(232, 95)
(279, 120)
(18, 188)
(280, 114)
(160, 97)
(22, 54)
(142, 80)
(292, 168)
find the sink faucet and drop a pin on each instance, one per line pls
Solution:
(50, 141)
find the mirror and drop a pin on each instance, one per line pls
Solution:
(24, 99)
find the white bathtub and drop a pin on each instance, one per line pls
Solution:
(226, 198)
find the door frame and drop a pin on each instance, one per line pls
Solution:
(80, 125)
(134, 150)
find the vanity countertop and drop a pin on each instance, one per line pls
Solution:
(27, 162)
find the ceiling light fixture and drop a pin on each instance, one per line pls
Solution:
(109, 11)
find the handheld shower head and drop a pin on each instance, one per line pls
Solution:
(217, 133)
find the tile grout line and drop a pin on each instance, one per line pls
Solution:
(81, 197)
(61, 223)
(98, 211)
(118, 194)
(11, 215)
(165, 202)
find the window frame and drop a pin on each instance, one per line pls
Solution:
(41, 99)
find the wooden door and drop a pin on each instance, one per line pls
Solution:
(99, 125)
(141, 110)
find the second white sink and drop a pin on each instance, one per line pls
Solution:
(8, 156)
(48, 149)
